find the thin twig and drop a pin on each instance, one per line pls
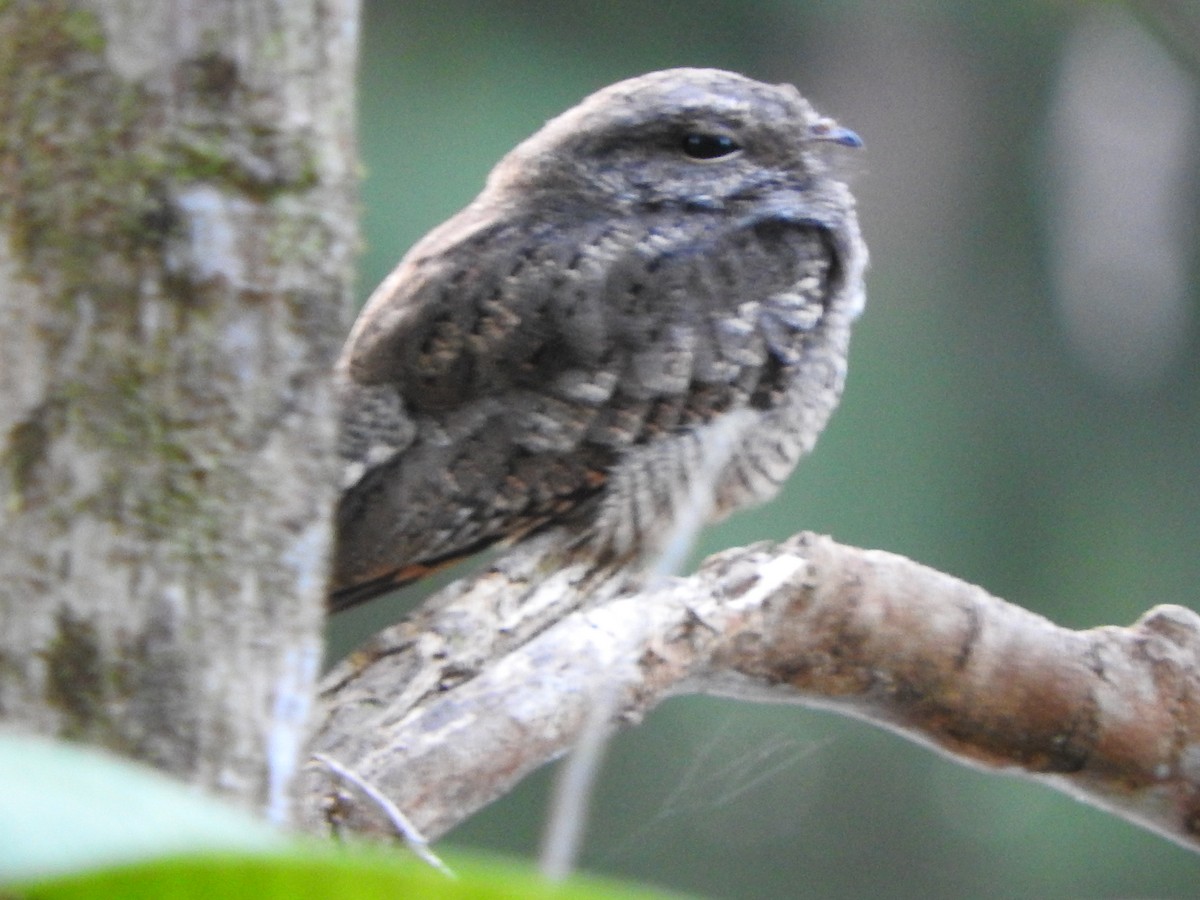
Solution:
(413, 838)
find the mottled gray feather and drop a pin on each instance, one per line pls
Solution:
(609, 332)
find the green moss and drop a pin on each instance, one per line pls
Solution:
(88, 170)
(275, 171)
(87, 203)
(123, 411)
(84, 29)
(76, 186)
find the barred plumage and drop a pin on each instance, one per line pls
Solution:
(643, 317)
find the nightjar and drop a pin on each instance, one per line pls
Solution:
(640, 324)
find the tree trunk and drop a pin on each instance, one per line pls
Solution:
(177, 232)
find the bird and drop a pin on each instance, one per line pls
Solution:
(639, 325)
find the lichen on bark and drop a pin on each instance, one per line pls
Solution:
(176, 247)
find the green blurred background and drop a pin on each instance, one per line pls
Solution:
(1023, 407)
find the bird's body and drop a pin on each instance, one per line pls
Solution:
(633, 323)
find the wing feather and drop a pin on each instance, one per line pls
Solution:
(526, 363)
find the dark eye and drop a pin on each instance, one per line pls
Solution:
(699, 145)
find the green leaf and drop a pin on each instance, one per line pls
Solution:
(322, 873)
(80, 824)
(64, 807)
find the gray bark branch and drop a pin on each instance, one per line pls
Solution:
(448, 711)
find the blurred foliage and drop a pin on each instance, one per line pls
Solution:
(972, 437)
(66, 807)
(81, 824)
(308, 873)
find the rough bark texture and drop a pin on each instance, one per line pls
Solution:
(445, 713)
(176, 245)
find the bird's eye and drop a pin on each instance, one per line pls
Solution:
(699, 145)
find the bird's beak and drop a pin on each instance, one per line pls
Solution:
(831, 131)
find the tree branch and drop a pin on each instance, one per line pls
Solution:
(447, 711)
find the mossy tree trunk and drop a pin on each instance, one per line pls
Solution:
(176, 244)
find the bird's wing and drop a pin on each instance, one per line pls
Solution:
(508, 372)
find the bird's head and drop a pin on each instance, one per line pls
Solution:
(686, 138)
